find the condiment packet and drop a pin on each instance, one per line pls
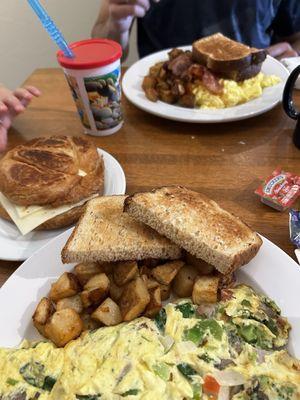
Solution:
(280, 190)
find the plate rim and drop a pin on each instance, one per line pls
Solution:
(133, 100)
(62, 230)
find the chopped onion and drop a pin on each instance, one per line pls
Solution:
(224, 393)
(229, 378)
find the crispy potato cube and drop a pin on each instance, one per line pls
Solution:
(155, 303)
(64, 326)
(66, 286)
(42, 314)
(150, 282)
(184, 281)
(108, 313)
(73, 302)
(95, 290)
(88, 323)
(144, 270)
(115, 291)
(205, 289)
(125, 272)
(165, 291)
(165, 273)
(202, 266)
(84, 272)
(134, 299)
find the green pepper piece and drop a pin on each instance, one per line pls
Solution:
(131, 392)
(197, 333)
(11, 381)
(161, 319)
(162, 371)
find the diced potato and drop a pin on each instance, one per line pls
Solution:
(115, 291)
(64, 326)
(95, 290)
(184, 281)
(88, 323)
(165, 273)
(205, 289)
(98, 281)
(203, 267)
(73, 302)
(125, 272)
(84, 272)
(155, 303)
(134, 299)
(107, 267)
(165, 291)
(42, 314)
(144, 270)
(150, 282)
(108, 313)
(66, 286)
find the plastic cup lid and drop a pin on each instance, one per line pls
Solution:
(91, 53)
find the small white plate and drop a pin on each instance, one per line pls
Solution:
(272, 272)
(132, 88)
(15, 247)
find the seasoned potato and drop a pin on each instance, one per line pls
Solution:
(165, 273)
(73, 302)
(88, 323)
(124, 272)
(144, 270)
(150, 282)
(155, 303)
(66, 286)
(107, 267)
(84, 272)
(134, 299)
(95, 290)
(165, 291)
(115, 291)
(64, 326)
(42, 314)
(205, 289)
(184, 281)
(108, 313)
(203, 267)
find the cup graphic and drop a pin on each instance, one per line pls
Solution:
(94, 80)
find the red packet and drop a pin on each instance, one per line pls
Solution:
(280, 190)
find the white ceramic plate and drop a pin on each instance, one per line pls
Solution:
(272, 271)
(132, 88)
(15, 247)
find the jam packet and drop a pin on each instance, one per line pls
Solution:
(280, 190)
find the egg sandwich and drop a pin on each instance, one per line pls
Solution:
(45, 183)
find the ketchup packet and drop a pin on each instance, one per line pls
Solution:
(280, 190)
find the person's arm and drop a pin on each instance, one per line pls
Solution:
(290, 47)
(115, 20)
(13, 103)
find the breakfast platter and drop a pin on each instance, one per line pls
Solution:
(14, 246)
(132, 88)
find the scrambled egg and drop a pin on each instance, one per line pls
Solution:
(234, 93)
(185, 353)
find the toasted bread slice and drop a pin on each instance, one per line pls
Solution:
(228, 58)
(197, 224)
(105, 233)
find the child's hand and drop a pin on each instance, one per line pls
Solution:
(12, 104)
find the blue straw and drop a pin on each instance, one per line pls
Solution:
(51, 28)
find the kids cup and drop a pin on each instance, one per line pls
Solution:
(93, 76)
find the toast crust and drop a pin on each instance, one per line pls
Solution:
(197, 224)
(228, 58)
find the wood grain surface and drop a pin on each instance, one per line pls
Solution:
(224, 161)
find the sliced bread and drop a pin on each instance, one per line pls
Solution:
(197, 224)
(105, 233)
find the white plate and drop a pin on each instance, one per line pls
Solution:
(132, 88)
(272, 271)
(15, 247)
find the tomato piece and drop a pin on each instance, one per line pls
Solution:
(211, 386)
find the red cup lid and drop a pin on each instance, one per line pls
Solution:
(91, 53)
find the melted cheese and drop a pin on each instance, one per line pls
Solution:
(29, 218)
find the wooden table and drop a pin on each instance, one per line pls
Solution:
(224, 161)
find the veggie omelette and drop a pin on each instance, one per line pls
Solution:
(231, 350)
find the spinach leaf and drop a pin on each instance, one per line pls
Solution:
(187, 370)
(131, 392)
(161, 319)
(49, 382)
(246, 303)
(187, 310)
(33, 373)
(88, 396)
